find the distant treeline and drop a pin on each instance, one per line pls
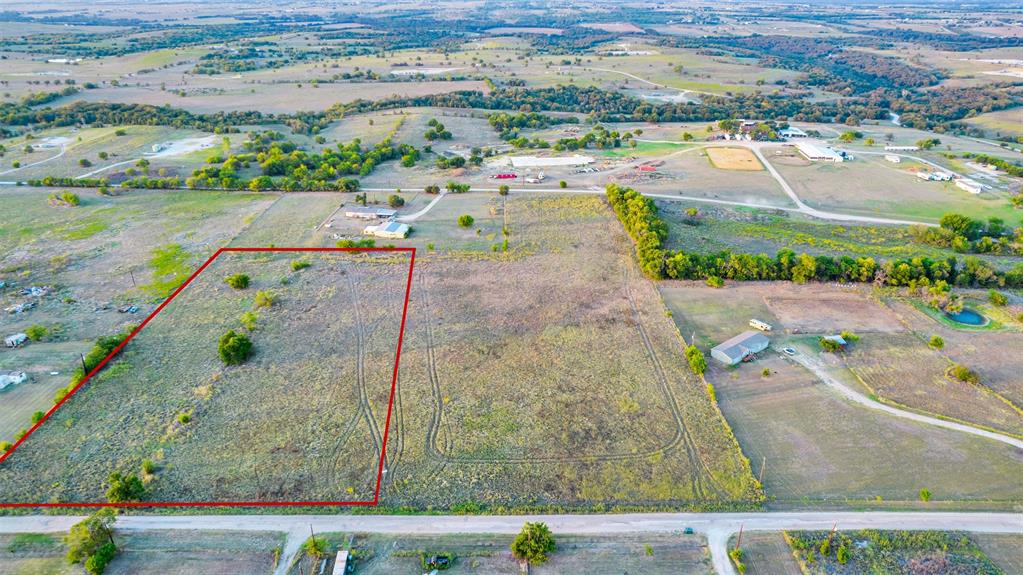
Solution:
(638, 215)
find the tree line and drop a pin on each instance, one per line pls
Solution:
(638, 215)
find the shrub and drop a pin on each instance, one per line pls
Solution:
(715, 282)
(697, 362)
(297, 265)
(184, 418)
(842, 555)
(925, 495)
(237, 281)
(125, 488)
(37, 417)
(148, 467)
(997, 298)
(850, 337)
(465, 220)
(366, 243)
(766, 372)
(830, 345)
(533, 543)
(36, 332)
(936, 342)
(503, 189)
(964, 374)
(395, 201)
(562, 184)
(65, 198)
(315, 547)
(265, 299)
(5, 446)
(234, 348)
(439, 561)
(736, 556)
(249, 319)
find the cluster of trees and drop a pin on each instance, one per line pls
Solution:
(41, 98)
(598, 136)
(436, 131)
(103, 347)
(90, 542)
(1011, 168)
(104, 113)
(509, 125)
(638, 215)
(967, 235)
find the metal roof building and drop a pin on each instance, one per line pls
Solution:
(390, 229)
(734, 350)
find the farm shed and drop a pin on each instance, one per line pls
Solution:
(968, 185)
(15, 340)
(392, 230)
(370, 213)
(11, 377)
(736, 349)
(793, 132)
(816, 153)
(537, 162)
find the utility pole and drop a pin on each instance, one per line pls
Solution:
(132, 274)
(85, 370)
(832, 534)
(760, 478)
(738, 540)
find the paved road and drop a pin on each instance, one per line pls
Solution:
(819, 370)
(718, 527)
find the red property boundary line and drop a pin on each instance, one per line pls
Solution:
(95, 370)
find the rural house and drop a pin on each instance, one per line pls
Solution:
(11, 377)
(740, 347)
(393, 230)
(365, 213)
(15, 340)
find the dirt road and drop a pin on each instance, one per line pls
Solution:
(718, 527)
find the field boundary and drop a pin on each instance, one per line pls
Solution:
(134, 332)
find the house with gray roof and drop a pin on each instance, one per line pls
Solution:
(740, 347)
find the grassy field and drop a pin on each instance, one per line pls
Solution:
(822, 451)
(868, 185)
(1005, 550)
(41, 245)
(653, 554)
(902, 369)
(575, 400)
(1001, 123)
(310, 365)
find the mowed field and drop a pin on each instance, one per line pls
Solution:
(821, 450)
(301, 420)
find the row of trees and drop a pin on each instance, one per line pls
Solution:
(638, 215)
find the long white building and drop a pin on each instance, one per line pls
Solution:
(816, 153)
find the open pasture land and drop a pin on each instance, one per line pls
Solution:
(980, 350)
(210, 96)
(741, 159)
(651, 554)
(34, 554)
(580, 398)
(868, 186)
(1005, 550)
(323, 357)
(822, 450)
(902, 369)
(1001, 123)
(42, 245)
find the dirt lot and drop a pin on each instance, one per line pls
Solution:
(827, 310)
(767, 554)
(652, 554)
(741, 159)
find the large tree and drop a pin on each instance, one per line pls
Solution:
(533, 543)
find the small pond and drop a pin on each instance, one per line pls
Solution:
(968, 317)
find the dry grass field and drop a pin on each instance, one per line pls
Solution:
(767, 554)
(312, 364)
(653, 554)
(591, 408)
(741, 159)
(902, 369)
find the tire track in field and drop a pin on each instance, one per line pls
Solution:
(360, 346)
(680, 436)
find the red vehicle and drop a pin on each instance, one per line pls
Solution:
(503, 176)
